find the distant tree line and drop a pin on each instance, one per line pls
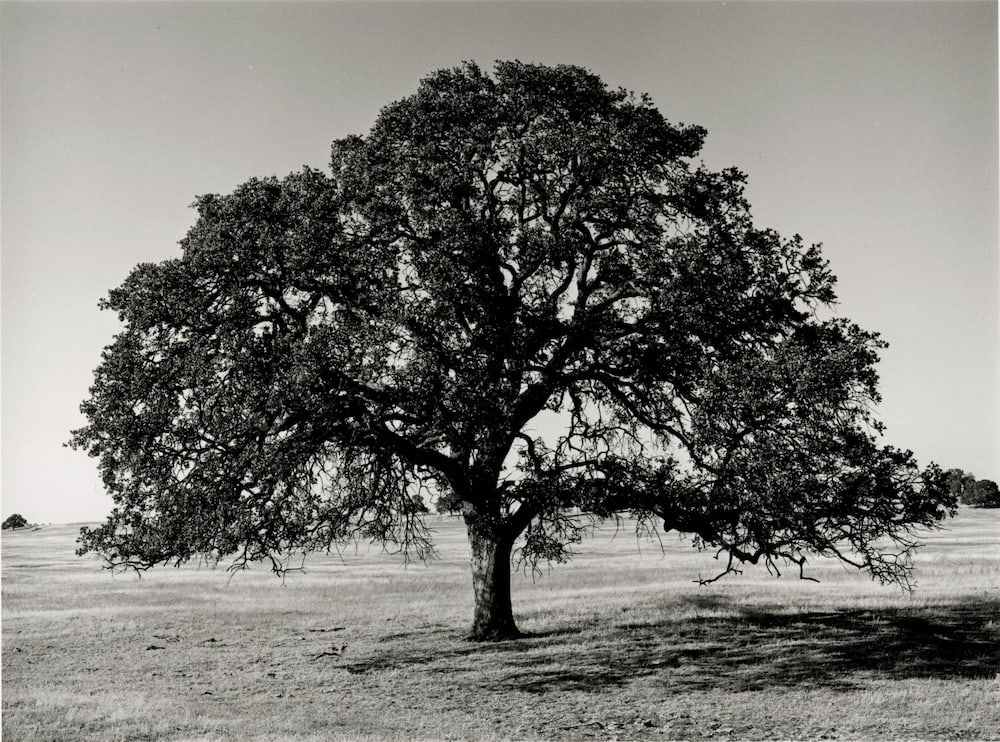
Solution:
(982, 493)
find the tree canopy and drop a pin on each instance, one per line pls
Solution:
(519, 292)
(986, 494)
(14, 521)
(981, 493)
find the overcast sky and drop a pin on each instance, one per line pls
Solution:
(869, 127)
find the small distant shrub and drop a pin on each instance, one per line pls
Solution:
(14, 521)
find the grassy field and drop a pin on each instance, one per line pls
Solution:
(622, 645)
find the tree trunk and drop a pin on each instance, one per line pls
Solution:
(494, 618)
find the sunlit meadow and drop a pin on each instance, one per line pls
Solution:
(621, 644)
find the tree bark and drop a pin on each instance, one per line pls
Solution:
(493, 617)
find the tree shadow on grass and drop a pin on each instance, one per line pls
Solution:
(754, 649)
(744, 648)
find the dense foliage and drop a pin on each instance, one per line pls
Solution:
(976, 493)
(15, 521)
(518, 293)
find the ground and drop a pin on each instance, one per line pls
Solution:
(622, 644)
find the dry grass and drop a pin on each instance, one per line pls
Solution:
(622, 645)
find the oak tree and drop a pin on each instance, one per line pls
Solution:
(983, 494)
(961, 484)
(519, 293)
(14, 521)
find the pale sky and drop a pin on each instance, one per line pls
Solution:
(869, 127)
